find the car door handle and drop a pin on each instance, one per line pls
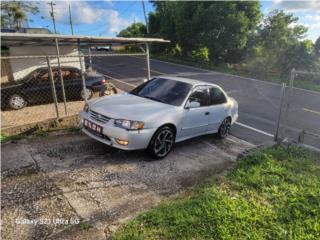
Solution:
(207, 113)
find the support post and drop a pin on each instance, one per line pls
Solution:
(53, 88)
(84, 88)
(61, 77)
(148, 61)
(276, 135)
(288, 99)
(90, 58)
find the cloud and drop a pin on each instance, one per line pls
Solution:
(84, 13)
(297, 6)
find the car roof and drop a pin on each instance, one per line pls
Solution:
(193, 82)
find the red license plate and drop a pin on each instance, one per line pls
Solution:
(94, 127)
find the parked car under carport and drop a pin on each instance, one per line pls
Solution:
(36, 87)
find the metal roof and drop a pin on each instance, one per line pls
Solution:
(20, 39)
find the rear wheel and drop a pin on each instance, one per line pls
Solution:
(87, 93)
(161, 143)
(16, 102)
(108, 90)
(224, 128)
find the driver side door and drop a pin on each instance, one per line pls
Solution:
(196, 119)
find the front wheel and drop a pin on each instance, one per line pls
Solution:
(161, 143)
(16, 102)
(224, 128)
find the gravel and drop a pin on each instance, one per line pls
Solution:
(79, 178)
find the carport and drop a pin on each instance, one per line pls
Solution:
(80, 42)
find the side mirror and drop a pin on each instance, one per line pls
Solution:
(192, 105)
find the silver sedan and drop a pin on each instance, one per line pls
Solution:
(159, 113)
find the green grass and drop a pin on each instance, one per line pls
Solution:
(270, 194)
(239, 71)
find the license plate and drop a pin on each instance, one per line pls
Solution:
(94, 127)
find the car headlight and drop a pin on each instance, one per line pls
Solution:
(128, 124)
(86, 107)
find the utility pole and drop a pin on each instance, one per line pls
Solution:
(71, 25)
(145, 16)
(147, 45)
(52, 15)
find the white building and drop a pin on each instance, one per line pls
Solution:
(21, 67)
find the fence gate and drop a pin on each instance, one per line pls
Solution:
(299, 115)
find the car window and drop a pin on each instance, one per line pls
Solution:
(217, 96)
(201, 96)
(44, 76)
(71, 74)
(163, 90)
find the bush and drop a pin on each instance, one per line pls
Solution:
(201, 54)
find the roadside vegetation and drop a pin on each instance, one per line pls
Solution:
(233, 37)
(35, 132)
(270, 194)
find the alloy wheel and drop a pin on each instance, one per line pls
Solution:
(163, 143)
(225, 128)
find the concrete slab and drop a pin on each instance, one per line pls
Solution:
(15, 159)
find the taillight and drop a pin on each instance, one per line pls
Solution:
(103, 81)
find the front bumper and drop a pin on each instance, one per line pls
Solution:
(138, 139)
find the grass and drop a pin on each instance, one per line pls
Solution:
(34, 133)
(270, 194)
(231, 69)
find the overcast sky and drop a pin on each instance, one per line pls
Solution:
(107, 18)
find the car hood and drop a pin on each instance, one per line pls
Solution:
(128, 106)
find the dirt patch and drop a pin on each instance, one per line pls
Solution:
(101, 186)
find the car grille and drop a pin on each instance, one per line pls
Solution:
(98, 117)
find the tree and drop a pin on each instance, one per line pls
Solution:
(135, 30)
(14, 13)
(222, 27)
(317, 47)
(282, 48)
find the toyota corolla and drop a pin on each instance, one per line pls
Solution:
(159, 113)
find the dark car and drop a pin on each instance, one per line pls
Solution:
(36, 88)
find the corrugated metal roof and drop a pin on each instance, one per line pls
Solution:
(20, 39)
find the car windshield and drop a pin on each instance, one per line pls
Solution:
(163, 90)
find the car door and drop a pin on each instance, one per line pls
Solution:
(38, 89)
(218, 108)
(195, 121)
(72, 83)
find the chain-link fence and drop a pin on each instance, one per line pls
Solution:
(299, 115)
(57, 86)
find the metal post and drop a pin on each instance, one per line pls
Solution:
(84, 88)
(276, 135)
(53, 88)
(61, 77)
(148, 61)
(288, 99)
(90, 58)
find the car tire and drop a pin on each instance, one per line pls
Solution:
(89, 93)
(161, 143)
(224, 128)
(16, 102)
(107, 91)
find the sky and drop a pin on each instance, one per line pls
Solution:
(109, 17)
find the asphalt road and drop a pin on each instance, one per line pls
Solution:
(259, 101)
